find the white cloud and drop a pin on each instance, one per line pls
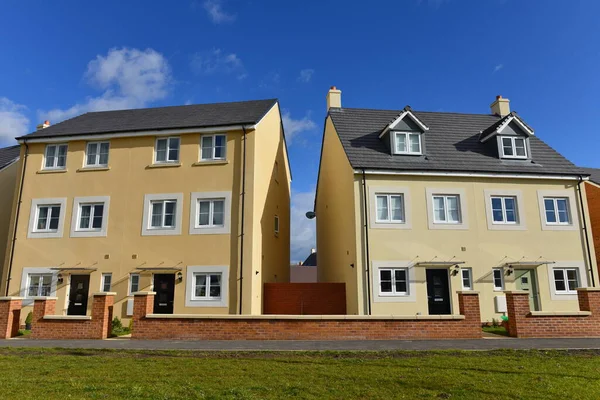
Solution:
(217, 61)
(215, 11)
(303, 236)
(498, 67)
(306, 75)
(295, 126)
(130, 78)
(13, 122)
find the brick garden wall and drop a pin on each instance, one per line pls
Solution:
(341, 327)
(10, 313)
(593, 200)
(523, 323)
(304, 298)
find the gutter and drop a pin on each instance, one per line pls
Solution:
(585, 230)
(18, 212)
(244, 137)
(367, 255)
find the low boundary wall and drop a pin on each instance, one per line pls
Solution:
(304, 298)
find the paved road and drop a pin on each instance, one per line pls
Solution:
(301, 345)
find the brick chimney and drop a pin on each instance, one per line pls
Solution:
(334, 98)
(43, 125)
(500, 106)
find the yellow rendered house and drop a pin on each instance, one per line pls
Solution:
(415, 206)
(191, 202)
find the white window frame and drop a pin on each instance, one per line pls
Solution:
(78, 202)
(389, 190)
(446, 219)
(35, 233)
(195, 228)
(393, 282)
(407, 146)
(163, 215)
(96, 163)
(469, 272)
(130, 284)
(167, 160)
(190, 297)
(463, 214)
(147, 229)
(556, 214)
(276, 223)
(501, 272)
(520, 225)
(27, 300)
(50, 208)
(103, 282)
(213, 148)
(207, 297)
(563, 271)
(503, 208)
(55, 166)
(211, 210)
(389, 219)
(513, 146)
(571, 208)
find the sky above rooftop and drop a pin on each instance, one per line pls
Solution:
(61, 59)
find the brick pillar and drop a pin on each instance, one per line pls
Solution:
(468, 305)
(10, 315)
(589, 300)
(102, 312)
(517, 306)
(143, 304)
(42, 306)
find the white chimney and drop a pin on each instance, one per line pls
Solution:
(500, 106)
(334, 98)
(43, 125)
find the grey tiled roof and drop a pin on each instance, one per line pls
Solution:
(311, 260)
(451, 144)
(8, 155)
(594, 174)
(180, 117)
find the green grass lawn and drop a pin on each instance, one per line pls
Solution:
(91, 374)
(497, 330)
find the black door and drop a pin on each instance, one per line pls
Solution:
(438, 291)
(164, 287)
(78, 295)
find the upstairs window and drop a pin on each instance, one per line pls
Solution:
(163, 214)
(407, 143)
(513, 147)
(48, 217)
(167, 150)
(390, 208)
(213, 147)
(211, 213)
(504, 210)
(446, 209)
(90, 217)
(97, 154)
(55, 156)
(557, 210)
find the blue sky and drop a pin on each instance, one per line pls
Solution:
(63, 58)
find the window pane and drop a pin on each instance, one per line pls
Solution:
(54, 217)
(497, 209)
(42, 218)
(453, 211)
(215, 286)
(200, 285)
(511, 212)
(385, 280)
(173, 149)
(507, 146)
(382, 208)
(107, 282)
(397, 208)
(104, 147)
(497, 278)
(97, 221)
(572, 279)
(62, 156)
(50, 154)
(207, 142)
(520, 147)
(218, 212)
(559, 280)
(84, 222)
(170, 213)
(400, 142)
(550, 214)
(204, 212)
(415, 144)
(220, 143)
(563, 210)
(438, 209)
(91, 153)
(157, 214)
(161, 150)
(135, 283)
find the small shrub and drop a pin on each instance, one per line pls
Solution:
(495, 323)
(29, 318)
(118, 329)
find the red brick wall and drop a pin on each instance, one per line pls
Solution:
(593, 200)
(98, 327)
(522, 324)
(305, 328)
(10, 313)
(304, 298)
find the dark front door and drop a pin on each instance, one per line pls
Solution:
(438, 291)
(164, 287)
(78, 295)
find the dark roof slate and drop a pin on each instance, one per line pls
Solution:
(311, 260)
(451, 145)
(174, 117)
(594, 174)
(8, 155)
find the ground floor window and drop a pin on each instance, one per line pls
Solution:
(207, 286)
(393, 281)
(134, 283)
(498, 279)
(39, 285)
(467, 278)
(106, 282)
(566, 280)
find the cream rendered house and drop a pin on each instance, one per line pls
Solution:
(414, 206)
(191, 202)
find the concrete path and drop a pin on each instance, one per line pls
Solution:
(300, 345)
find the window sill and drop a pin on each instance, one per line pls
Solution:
(210, 162)
(51, 171)
(165, 165)
(90, 169)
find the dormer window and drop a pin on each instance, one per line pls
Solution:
(513, 147)
(407, 143)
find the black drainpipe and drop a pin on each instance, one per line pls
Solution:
(243, 208)
(368, 258)
(585, 230)
(14, 239)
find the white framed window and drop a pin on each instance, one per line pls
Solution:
(390, 208)
(55, 156)
(39, 285)
(566, 280)
(96, 154)
(498, 278)
(466, 275)
(90, 216)
(557, 210)
(213, 147)
(446, 209)
(134, 283)
(106, 283)
(162, 214)
(504, 210)
(207, 286)
(407, 143)
(393, 281)
(210, 213)
(47, 218)
(166, 150)
(513, 147)
(276, 223)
